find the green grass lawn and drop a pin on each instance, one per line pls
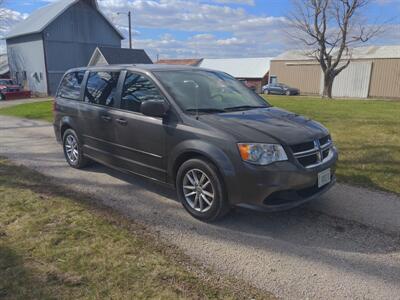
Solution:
(367, 133)
(57, 244)
(36, 110)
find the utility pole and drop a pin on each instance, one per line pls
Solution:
(130, 29)
(130, 26)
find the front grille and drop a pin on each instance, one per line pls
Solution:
(313, 153)
(308, 160)
(302, 147)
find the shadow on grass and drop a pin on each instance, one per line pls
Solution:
(17, 281)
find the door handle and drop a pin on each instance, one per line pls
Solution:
(122, 121)
(106, 118)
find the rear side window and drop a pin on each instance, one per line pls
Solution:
(101, 88)
(138, 88)
(70, 87)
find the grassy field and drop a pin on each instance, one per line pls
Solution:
(365, 131)
(38, 110)
(56, 244)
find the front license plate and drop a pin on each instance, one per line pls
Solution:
(324, 177)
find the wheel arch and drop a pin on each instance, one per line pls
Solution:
(199, 149)
(66, 123)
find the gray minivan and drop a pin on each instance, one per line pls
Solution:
(201, 131)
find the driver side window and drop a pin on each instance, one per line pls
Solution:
(138, 88)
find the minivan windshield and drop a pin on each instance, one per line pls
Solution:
(209, 91)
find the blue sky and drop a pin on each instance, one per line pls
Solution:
(211, 28)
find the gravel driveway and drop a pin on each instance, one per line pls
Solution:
(298, 254)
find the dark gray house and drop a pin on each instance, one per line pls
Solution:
(55, 38)
(118, 56)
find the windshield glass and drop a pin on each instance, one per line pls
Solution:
(209, 91)
(6, 82)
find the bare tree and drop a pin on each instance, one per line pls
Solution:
(328, 29)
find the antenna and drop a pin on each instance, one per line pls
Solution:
(196, 98)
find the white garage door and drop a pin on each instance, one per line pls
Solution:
(352, 82)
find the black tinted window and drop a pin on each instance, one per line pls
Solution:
(101, 88)
(137, 89)
(70, 87)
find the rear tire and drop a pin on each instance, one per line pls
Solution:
(201, 191)
(73, 150)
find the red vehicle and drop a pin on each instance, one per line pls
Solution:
(10, 90)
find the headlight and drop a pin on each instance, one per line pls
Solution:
(262, 154)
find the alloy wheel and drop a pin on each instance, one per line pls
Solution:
(198, 190)
(71, 148)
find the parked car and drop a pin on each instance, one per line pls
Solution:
(7, 86)
(248, 85)
(200, 131)
(280, 89)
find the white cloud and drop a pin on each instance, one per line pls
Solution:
(242, 2)
(211, 28)
(246, 34)
(8, 19)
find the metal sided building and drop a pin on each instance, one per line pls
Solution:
(55, 38)
(374, 72)
(254, 71)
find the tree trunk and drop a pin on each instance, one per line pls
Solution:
(328, 84)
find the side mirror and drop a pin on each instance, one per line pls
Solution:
(154, 108)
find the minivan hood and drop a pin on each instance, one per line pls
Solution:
(268, 125)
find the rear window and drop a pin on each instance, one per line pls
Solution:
(101, 88)
(70, 87)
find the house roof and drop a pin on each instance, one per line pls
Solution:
(368, 52)
(184, 62)
(240, 67)
(42, 17)
(115, 56)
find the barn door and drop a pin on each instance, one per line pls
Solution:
(352, 82)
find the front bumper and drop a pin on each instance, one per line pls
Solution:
(279, 186)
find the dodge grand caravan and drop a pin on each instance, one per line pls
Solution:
(201, 131)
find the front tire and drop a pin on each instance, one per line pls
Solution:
(73, 151)
(201, 190)
(288, 93)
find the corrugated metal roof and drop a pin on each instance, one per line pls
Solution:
(240, 67)
(184, 62)
(368, 52)
(42, 17)
(124, 56)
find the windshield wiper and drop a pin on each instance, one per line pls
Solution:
(206, 110)
(244, 107)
